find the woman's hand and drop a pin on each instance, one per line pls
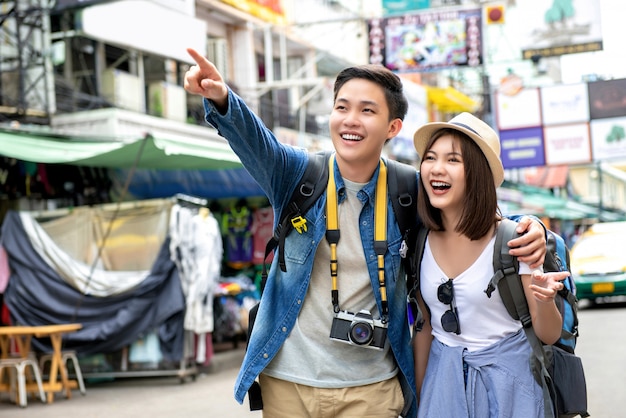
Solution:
(530, 247)
(540, 290)
(546, 285)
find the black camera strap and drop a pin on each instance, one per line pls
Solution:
(380, 232)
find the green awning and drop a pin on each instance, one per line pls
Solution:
(155, 153)
(541, 202)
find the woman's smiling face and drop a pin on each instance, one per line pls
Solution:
(443, 173)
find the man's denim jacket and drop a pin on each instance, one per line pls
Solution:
(277, 168)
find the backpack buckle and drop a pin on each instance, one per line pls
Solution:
(299, 224)
(404, 248)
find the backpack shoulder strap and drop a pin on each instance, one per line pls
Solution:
(506, 278)
(413, 279)
(402, 186)
(310, 187)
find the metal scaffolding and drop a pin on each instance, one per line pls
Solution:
(26, 79)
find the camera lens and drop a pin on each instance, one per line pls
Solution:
(361, 333)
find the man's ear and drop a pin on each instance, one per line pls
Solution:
(395, 126)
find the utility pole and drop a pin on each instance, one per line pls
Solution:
(600, 192)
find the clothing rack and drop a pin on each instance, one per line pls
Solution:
(192, 200)
(186, 367)
(60, 212)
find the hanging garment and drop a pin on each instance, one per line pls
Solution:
(196, 248)
(236, 223)
(262, 230)
(4, 269)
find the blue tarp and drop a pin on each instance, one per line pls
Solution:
(37, 295)
(209, 184)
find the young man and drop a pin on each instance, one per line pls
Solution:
(302, 371)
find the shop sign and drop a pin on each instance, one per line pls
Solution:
(268, 10)
(522, 147)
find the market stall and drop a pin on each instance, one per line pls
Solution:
(141, 275)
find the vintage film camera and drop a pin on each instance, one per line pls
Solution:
(359, 329)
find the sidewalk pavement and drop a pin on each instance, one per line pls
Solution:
(209, 395)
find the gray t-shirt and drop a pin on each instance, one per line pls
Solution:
(309, 356)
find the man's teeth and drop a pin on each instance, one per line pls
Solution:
(351, 137)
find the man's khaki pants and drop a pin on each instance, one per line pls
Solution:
(282, 399)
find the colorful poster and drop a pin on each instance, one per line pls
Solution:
(522, 147)
(567, 144)
(427, 41)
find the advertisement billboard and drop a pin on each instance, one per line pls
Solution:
(555, 28)
(522, 110)
(607, 99)
(567, 144)
(427, 41)
(564, 103)
(609, 138)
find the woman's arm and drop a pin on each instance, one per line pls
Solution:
(421, 346)
(540, 289)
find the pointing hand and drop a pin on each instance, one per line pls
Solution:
(205, 80)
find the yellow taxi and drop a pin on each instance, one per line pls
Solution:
(598, 261)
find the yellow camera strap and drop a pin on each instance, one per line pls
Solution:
(380, 231)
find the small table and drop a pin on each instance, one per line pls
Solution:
(23, 336)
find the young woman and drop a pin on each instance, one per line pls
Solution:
(471, 357)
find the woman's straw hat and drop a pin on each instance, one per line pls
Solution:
(485, 137)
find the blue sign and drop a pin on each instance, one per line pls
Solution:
(522, 147)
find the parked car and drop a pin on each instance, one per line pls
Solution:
(598, 261)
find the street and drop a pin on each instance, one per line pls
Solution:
(601, 346)
(210, 395)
